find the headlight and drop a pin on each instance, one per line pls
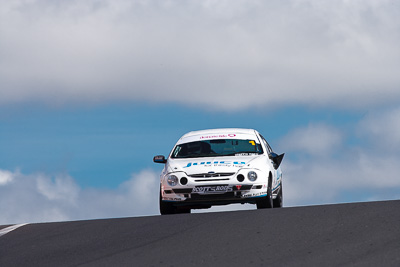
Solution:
(252, 176)
(172, 180)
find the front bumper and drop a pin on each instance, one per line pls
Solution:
(212, 194)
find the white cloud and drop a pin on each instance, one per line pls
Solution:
(5, 177)
(215, 53)
(359, 172)
(315, 139)
(382, 128)
(40, 198)
(61, 188)
(357, 177)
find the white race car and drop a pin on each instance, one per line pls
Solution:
(220, 167)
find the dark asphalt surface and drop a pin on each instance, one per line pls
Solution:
(357, 234)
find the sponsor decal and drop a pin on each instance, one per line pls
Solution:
(216, 164)
(212, 189)
(246, 154)
(172, 199)
(217, 136)
(255, 194)
(238, 187)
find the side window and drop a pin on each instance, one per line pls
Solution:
(269, 149)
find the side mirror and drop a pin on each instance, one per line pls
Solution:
(159, 159)
(276, 159)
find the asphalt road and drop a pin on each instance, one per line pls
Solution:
(358, 234)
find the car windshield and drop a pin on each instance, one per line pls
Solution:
(216, 148)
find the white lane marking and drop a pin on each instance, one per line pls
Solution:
(11, 228)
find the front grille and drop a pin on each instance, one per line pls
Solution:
(209, 180)
(212, 196)
(208, 175)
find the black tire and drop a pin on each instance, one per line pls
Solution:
(166, 207)
(183, 210)
(278, 201)
(266, 202)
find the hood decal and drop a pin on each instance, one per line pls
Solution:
(205, 165)
(223, 163)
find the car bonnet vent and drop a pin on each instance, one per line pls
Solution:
(209, 175)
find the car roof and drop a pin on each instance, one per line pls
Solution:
(220, 131)
(217, 133)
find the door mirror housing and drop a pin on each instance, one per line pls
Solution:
(160, 159)
(276, 159)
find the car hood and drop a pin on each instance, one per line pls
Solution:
(205, 165)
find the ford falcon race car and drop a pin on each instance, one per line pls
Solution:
(220, 167)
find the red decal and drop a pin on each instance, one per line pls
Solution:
(238, 187)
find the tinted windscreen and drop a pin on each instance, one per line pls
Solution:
(216, 147)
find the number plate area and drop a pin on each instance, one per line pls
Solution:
(212, 189)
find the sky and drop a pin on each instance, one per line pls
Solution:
(91, 90)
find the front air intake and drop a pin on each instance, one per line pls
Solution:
(184, 181)
(240, 177)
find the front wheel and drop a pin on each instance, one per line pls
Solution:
(183, 210)
(166, 207)
(265, 202)
(278, 201)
